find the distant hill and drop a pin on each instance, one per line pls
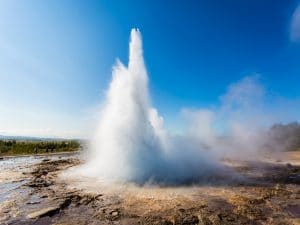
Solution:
(29, 138)
(285, 136)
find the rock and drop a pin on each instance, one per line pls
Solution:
(6, 211)
(190, 220)
(65, 203)
(114, 213)
(215, 219)
(33, 202)
(40, 182)
(186, 220)
(49, 211)
(204, 220)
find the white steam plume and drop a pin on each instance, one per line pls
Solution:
(130, 143)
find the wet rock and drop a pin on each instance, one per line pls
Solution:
(79, 199)
(49, 211)
(87, 199)
(65, 203)
(40, 182)
(33, 202)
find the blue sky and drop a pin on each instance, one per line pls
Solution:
(56, 56)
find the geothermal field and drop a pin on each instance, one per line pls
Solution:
(36, 190)
(133, 171)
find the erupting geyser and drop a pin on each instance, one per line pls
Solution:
(130, 143)
(127, 143)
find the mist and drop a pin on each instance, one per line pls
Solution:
(131, 143)
(242, 125)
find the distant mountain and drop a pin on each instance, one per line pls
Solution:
(28, 138)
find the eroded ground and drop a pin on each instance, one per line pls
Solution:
(40, 193)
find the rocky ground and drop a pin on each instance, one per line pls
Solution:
(268, 193)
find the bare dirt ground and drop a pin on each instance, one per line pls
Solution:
(266, 192)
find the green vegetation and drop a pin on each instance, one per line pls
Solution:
(13, 147)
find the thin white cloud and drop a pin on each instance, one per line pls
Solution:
(295, 26)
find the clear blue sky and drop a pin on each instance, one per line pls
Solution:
(56, 56)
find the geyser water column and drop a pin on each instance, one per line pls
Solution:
(128, 142)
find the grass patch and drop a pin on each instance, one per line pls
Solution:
(14, 147)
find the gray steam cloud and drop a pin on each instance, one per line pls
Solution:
(244, 124)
